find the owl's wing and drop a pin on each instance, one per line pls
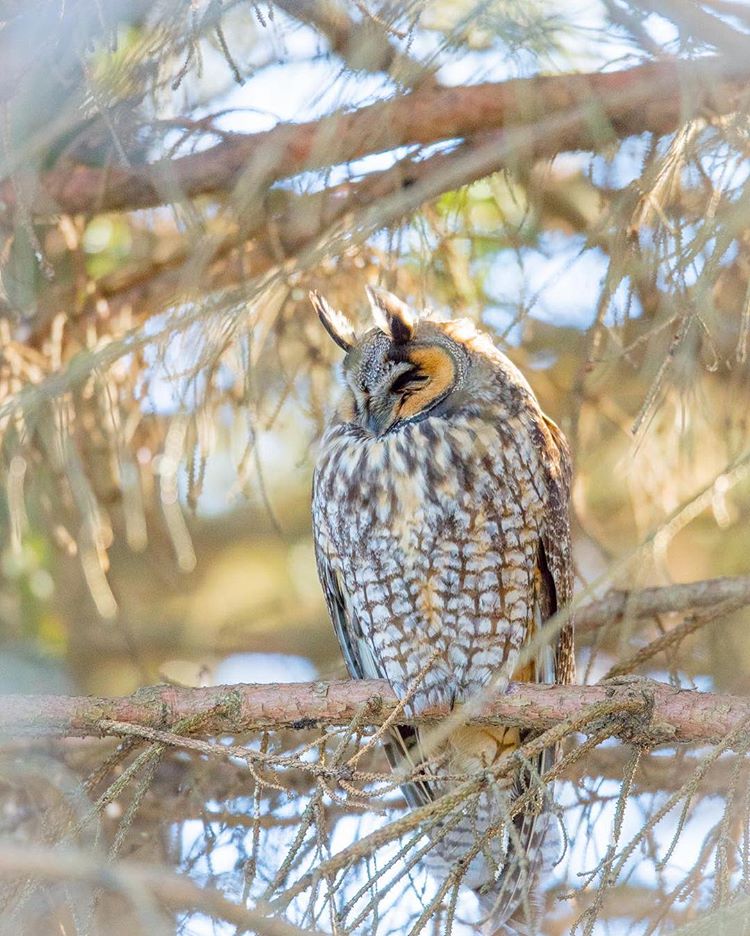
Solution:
(514, 889)
(358, 656)
(545, 606)
(402, 748)
(556, 543)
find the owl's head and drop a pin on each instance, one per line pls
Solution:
(404, 369)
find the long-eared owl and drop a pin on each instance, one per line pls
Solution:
(440, 509)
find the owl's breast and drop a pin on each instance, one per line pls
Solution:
(435, 546)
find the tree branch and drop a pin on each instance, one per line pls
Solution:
(364, 45)
(674, 715)
(705, 596)
(655, 97)
(173, 890)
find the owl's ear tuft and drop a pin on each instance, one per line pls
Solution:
(335, 323)
(392, 316)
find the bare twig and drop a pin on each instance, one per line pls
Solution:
(671, 639)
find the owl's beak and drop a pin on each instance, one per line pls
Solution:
(379, 417)
(377, 425)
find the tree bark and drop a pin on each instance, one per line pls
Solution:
(661, 713)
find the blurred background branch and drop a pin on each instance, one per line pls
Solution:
(648, 98)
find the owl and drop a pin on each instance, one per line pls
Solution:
(442, 536)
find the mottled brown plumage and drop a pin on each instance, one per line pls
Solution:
(440, 511)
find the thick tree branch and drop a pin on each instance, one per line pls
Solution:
(669, 714)
(656, 97)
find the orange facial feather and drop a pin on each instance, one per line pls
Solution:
(437, 364)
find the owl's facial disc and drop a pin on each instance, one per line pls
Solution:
(421, 378)
(433, 377)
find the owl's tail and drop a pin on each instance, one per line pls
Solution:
(512, 902)
(505, 858)
(507, 878)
